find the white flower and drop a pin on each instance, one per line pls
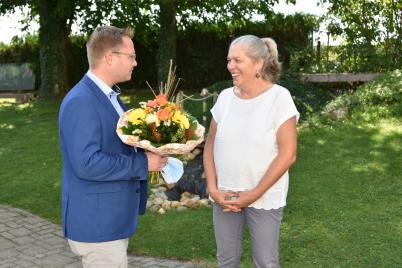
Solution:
(152, 118)
(143, 104)
(137, 131)
(167, 123)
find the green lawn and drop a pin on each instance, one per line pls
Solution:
(344, 204)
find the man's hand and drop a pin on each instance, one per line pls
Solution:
(156, 162)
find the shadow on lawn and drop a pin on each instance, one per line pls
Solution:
(344, 198)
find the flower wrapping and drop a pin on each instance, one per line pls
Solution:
(147, 144)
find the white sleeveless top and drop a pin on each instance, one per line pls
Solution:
(245, 141)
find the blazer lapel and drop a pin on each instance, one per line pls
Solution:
(100, 96)
(122, 104)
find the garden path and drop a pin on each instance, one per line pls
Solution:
(27, 240)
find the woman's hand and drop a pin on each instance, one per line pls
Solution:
(221, 198)
(245, 198)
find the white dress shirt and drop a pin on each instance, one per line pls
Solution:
(109, 92)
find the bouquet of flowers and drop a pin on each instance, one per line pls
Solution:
(161, 125)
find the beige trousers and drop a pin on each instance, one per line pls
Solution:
(111, 254)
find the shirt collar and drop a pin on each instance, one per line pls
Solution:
(108, 91)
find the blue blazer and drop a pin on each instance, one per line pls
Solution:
(104, 185)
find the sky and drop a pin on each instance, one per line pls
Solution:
(9, 25)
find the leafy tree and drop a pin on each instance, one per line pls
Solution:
(55, 20)
(372, 30)
(165, 18)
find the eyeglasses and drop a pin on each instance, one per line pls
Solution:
(131, 56)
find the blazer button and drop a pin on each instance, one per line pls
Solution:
(137, 190)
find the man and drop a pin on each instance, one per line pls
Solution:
(104, 181)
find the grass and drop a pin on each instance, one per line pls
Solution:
(344, 205)
(344, 202)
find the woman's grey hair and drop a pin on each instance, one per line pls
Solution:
(103, 39)
(262, 48)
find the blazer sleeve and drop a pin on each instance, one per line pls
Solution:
(83, 139)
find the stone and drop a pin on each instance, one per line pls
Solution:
(154, 190)
(186, 194)
(158, 201)
(339, 113)
(195, 198)
(175, 204)
(166, 205)
(181, 208)
(154, 208)
(161, 211)
(204, 202)
(190, 203)
(161, 189)
(197, 151)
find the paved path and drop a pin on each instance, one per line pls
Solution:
(29, 241)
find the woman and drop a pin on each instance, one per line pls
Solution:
(251, 144)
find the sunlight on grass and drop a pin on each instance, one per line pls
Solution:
(13, 105)
(369, 167)
(25, 106)
(7, 126)
(4, 105)
(321, 141)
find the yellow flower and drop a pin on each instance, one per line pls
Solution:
(170, 107)
(181, 119)
(136, 116)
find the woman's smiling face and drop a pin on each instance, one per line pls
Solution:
(242, 68)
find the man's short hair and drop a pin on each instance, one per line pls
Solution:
(103, 39)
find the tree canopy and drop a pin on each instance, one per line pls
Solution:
(162, 18)
(372, 31)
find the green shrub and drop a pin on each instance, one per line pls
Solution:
(309, 99)
(378, 98)
(385, 90)
(346, 100)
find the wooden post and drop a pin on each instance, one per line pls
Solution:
(204, 112)
(319, 54)
(328, 33)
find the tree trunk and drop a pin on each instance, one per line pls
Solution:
(167, 38)
(51, 58)
(65, 54)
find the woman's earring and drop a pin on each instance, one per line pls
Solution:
(257, 74)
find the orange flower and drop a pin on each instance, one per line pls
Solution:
(148, 110)
(161, 99)
(152, 103)
(163, 114)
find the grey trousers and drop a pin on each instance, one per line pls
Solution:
(263, 225)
